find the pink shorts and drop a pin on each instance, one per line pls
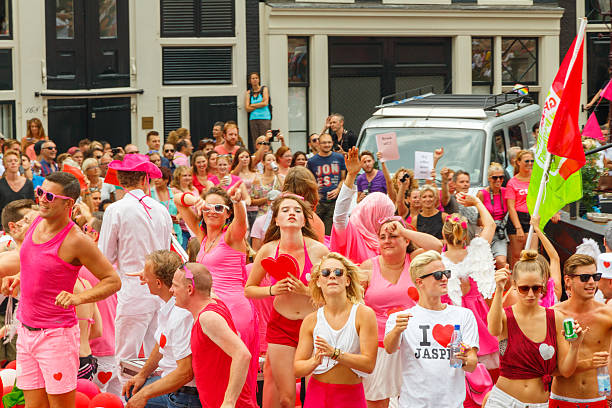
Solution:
(48, 359)
(323, 395)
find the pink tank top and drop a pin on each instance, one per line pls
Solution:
(305, 275)
(385, 297)
(43, 276)
(105, 344)
(226, 265)
(211, 364)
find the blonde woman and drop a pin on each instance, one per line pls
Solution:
(182, 182)
(430, 220)
(495, 201)
(338, 342)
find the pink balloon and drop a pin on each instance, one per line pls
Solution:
(106, 400)
(82, 400)
(87, 387)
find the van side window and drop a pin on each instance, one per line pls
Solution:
(515, 134)
(498, 148)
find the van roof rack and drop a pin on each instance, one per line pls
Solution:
(486, 102)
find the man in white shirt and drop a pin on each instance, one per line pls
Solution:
(133, 227)
(172, 352)
(423, 333)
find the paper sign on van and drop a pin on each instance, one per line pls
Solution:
(423, 165)
(387, 146)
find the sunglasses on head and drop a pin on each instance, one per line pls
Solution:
(40, 193)
(536, 289)
(218, 208)
(495, 178)
(585, 277)
(438, 274)
(338, 272)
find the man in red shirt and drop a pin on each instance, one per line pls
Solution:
(220, 360)
(230, 137)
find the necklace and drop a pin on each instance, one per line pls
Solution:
(212, 243)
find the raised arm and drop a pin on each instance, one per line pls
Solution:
(445, 178)
(183, 202)
(555, 261)
(388, 180)
(238, 228)
(347, 191)
(496, 318)
(488, 224)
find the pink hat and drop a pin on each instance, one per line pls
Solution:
(72, 150)
(136, 162)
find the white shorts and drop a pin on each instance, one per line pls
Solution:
(499, 246)
(386, 379)
(499, 399)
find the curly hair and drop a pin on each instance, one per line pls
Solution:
(396, 176)
(354, 291)
(273, 232)
(179, 172)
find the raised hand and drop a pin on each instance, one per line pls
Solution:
(352, 162)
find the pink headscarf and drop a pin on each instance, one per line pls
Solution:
(360, 239)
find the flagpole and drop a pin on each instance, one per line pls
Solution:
(536, 208)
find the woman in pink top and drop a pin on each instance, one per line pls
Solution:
(223, 252)
(516, 193)
(224, 179)
(389, 288)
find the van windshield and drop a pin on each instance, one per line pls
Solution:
(463, 148)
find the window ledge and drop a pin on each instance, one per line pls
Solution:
(88, 93)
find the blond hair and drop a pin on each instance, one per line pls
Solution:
(354, 291)
(529, 263)
(494, 166)
(518, 158)
(434, 191)
(418, 264)
(454, 230)
(576, 260)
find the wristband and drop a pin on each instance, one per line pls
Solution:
(183, 198)
(270, 288)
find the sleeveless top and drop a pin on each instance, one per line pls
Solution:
(227, 267)
(305, 275)
(521, 358)
(233, 180)
(431, 225)
(385, 297)
(197, 184)
(495, 205)
(346, 339)
(211, 364)
(259, 113)
(43, 276)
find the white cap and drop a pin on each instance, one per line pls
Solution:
(604, 265)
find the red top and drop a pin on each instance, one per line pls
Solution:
(197, 184)
(523, 358)
(211, 365)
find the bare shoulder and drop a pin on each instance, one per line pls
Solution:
(310, 321)
(268, 248)
(315, 248)
(78, 241)
(365, 312)
(367, 265)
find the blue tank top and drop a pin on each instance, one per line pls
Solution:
(260, 113)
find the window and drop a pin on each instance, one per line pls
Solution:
(197, 18)
(6, 70)
(196, 65)
(5, 20)
(298, 77)
(597, 11)
(7, 119)
(64, 19)
(519, 61)
(515, 135)
(107, 18)
(482, 65)
(498, 148)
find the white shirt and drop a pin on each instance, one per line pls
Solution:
(127, 235)
(428, 380)
(107, 190)
(173, 335)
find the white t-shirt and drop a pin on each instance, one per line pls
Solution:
(428, 380)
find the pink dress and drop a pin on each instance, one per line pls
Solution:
(227, 267)
(549, 299)
(385, 297)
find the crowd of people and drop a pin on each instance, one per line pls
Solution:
(235, 273)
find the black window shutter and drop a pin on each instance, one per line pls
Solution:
(178, 18)
(217, 18)
(172, 115)
(6, 69)
(196, 65)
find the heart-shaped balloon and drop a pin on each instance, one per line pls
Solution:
(547, 351)
(279, 268)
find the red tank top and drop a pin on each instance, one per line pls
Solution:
(211, 365)
(523, 358)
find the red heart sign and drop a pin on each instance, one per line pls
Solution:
(413, 293)
(57, 376)
(162, 340)
(442, 334)
(281, 267)
(606, 264)
(104, 376)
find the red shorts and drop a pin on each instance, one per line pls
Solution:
(282, 330)
(323, 395)
(553, 403)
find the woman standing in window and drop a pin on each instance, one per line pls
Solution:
(257, 103)
(36, 132)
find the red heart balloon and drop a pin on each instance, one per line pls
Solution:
(162, 340)
(442, 334)
(606, 264)
(413, 293)
(281, 267)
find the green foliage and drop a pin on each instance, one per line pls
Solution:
(590, 179)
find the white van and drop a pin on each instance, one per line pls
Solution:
(474, 130)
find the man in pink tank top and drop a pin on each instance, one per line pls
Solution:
(51, 254)
(220, 360)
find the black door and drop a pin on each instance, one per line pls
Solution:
(205, 111)
(71, 120)
(87, 44)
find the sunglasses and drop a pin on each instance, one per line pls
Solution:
(188, 273)
(169, 151)
(264, 143)
(326, 272)
(529, 161)
(50, 148)
(87, 228)
(218, 208)
(536, 289)
(315, 140)
(40, 193)
(585, 277)
(438, 274)
(495, 178)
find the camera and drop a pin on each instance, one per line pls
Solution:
(275, 133)
(115, 150)
(405, 177)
